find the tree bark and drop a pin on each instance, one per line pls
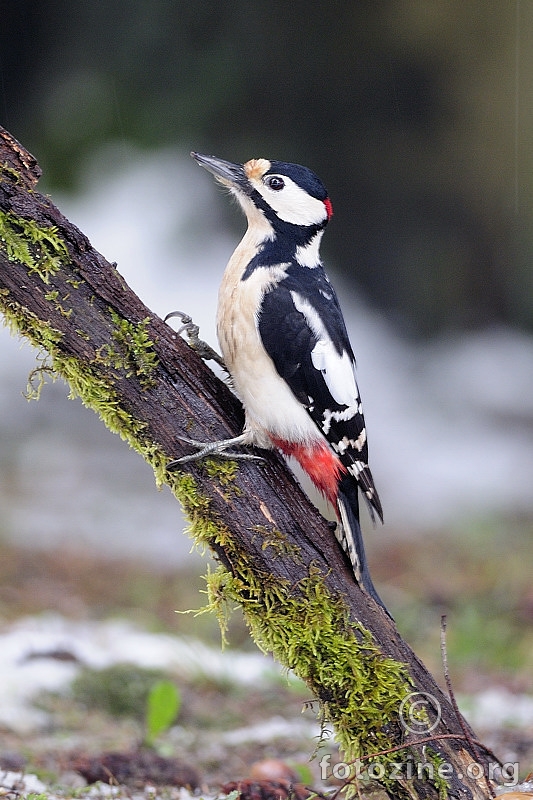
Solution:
(278, 557)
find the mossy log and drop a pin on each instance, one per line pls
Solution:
(278, 558)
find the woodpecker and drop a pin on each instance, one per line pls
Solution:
(285, 345)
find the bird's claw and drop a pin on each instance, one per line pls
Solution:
(189, 327)
(204, 449)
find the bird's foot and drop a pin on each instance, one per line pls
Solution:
(220, 449)
(204, 350)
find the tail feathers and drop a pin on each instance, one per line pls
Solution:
(363, 476)
(350, 537)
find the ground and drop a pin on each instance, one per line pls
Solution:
(238, 709)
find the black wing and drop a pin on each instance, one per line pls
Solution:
(303, 332)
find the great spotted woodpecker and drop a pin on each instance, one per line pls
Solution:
(285, 344)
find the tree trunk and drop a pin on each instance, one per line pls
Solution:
(278, 558)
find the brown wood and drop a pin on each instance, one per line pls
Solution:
(181, 396)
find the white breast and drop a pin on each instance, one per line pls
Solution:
(269, 404)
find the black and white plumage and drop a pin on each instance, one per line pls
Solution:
(285, 344)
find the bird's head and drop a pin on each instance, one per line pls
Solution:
(284, 193)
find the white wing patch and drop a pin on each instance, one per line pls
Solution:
(337, 370)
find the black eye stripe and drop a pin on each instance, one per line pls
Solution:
(275, 183)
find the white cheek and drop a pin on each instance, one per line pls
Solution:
(292, 204)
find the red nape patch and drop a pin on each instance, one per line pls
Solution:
(329, 207)
(319, 462)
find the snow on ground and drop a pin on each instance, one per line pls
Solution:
(28, 666)
(25, 785)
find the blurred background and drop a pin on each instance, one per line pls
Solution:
(418, 117)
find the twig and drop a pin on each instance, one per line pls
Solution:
(464, 728)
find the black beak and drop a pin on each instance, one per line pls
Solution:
(224, 171)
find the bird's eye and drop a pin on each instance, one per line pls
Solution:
(275, 182)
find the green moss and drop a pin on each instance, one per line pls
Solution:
(53, 297)
(223, 469)
(197, 503)
(37, 379)
(223, 472)
(436, 762)
(84, 379)
(11, 173)
(74, 283)
(41, 249)
(96, 393)
(218, 601)
(274, 538)
(24, 322)
(309, 631)
(133, 350)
